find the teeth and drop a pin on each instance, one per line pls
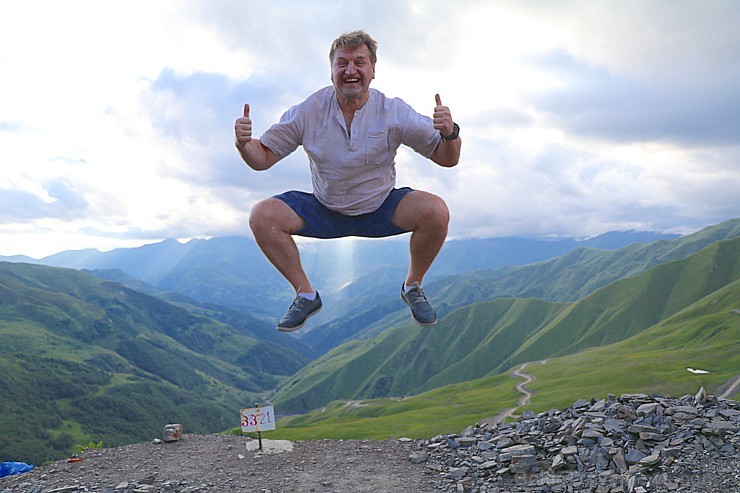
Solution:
(351, 80)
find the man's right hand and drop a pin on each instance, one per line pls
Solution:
(243, 128)
(257, 156)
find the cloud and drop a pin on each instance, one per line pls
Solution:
(11, 127)
(58, 199)
(592, 102)
(576, 117)
(197, 111)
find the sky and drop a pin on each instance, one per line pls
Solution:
(577, 117)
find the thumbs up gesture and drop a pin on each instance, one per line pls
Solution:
(243, 128)
(442, 117)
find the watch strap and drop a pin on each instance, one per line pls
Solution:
(455, 132)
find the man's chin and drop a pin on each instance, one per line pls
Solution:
(352, 92)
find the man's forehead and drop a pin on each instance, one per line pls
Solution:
(346, 52)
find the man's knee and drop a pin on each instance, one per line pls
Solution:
(259, 215)
(271, 215)
(422, 210)
(434, 209)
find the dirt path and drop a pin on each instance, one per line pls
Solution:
(730, 388)
(521, 387)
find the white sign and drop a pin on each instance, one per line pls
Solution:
(258, 419)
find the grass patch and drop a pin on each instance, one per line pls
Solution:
(446, 410)
(653, 362)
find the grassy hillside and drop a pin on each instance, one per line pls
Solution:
(704, 335)
(631, 305)
(84, 359)
(582, 271)
(227, 271)
(566, 278)
(486, 338)
(243, 320)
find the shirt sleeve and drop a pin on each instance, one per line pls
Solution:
(284, 137)
(418, 133)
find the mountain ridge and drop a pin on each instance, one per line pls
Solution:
(565, 278)
(93, 358)
(488, 337)
(201, 269)
(177, 362)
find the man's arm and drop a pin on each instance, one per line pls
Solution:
(257, 156)
(447, 152)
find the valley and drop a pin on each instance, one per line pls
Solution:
(100, 354)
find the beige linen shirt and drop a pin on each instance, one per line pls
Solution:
(351, 172)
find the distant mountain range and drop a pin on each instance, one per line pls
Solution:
(232, 271)
(565, 278)
(136, 338)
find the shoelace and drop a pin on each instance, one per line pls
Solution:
(418, 295)
(298, 303)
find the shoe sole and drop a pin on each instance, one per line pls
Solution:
(423, 324)
(292, 329)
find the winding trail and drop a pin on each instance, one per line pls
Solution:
(521, 387)
(729, 389)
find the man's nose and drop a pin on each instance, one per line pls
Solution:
(350, 68)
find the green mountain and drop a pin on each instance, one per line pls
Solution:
(570, 277)
(704, 335)
(240, 318)
(582, 271)
(233, 272)
(84, 359)
(88, 359)
(486, 338)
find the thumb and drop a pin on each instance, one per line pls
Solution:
(438, 99)
(246, 110)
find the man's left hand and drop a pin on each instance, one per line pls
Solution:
(442, 117)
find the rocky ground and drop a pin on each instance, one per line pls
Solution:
(629, 444)
(633, 443)
(215, 463)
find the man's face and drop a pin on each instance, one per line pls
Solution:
(352, 71)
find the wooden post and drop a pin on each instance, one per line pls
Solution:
(259, 433)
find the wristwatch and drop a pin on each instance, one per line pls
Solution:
(455, 132)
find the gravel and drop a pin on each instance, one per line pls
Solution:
(631, 444)
(216, 463)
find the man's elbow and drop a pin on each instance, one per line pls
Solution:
(447, 154)
(446, 162)
(452, 162)
(259, 158)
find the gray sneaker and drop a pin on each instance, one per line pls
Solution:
(422, 311)
(300, 311)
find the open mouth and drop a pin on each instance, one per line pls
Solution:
(351, 80)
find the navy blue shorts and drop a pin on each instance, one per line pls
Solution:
(326, 223)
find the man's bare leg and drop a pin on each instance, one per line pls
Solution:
(273, 222)
(427, 217)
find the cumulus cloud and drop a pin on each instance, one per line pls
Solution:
(576, 117)
(58, 198)
(590, 101)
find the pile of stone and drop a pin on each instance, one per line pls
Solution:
(631, 444)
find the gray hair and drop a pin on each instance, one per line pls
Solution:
(353, 40)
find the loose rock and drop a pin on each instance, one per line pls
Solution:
(634, 443)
